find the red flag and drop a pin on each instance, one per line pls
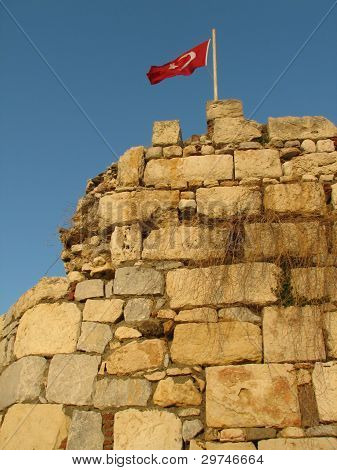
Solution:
(185, 64)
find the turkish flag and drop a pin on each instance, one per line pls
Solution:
(185, 64)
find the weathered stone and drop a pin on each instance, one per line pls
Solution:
(299, 327)
(166, 314)
(124, 332)
(250, 283)
(252, 395)
(312, 443)
(138, 310)
(207, 150)
(184, 412)
(135, 206)
(257, 163)
(22, 381)
(89, 289)
(229, 446)
(324, 379)
(154, 152)
(317, 164)
(138, 281)
(119, 392)
(172, 151)
(34, 427)
(269, 240)
(255, 434)
(292, 432)
(155, 376)
(166, 133)
(224, 202)
(305, 199)
(105, 311)
(325, 146)
(71, 378)
(239, 314)
(330, 333)
(308, 146)
(186, 242)
(126, 243)
(85, 432)
(292, 143)
(134, 357)
(197, 315)
(192, 428)
(323, 430)
(94, 337)
(234, 130)
(131, 167)
(223, 108)
(306, 127)
(216, 343)
(250, 146)
(232, 435)
(314, 283)
(75, 276)
(48, 329)
(179, 371)
(171, 393)
(289, 152)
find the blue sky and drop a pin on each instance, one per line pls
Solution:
(102, 50)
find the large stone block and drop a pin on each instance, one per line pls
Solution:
(131, 167)
(85, 432)
(94, 337)
(137, 356)
(231, 201)
(177, 172)
(71, 378)
(48, 329)
(330, 333)
(314, 283)
(147, 430)
(34, 427)
(105, 311)
(306, 127)
(295, 199)
(166, 133)
(126, 243)
(187, 242)
(324, 378)
(263, 163)
(138, 281)
(252, 395)
(121, 392)
(138, 309)
(269, 240)
(313, 163)
(89, 289)
(171, 393)
(306, 443)
(293, 334)
(233, 130)
(250, 283)
(216, 343)
(224, 108)
(135, 206)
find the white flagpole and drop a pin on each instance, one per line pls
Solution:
(215, 72)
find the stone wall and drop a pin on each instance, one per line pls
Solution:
(199, 310)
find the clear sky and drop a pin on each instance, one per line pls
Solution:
(102, 50)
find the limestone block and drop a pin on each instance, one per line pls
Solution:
(224, 108)
(299, 328)
(306, 443)
(131, 167)
(22, 381)
(166, 133)
(232, 435)
(94, 337)
(172, 151)
(197, 315)
(257, 163)
(85, 432)
(171, 393)
(305, 199)
(306, 127)
(325, 145)
(89, 289)
(34, 427)
(308, 146)
(314, 283)
(249, 283)
(48, 329)
(126, 243)
(192, 428)
(316, 164)
(135, 206)
(322, 430)
(177, 172)
(269, 240)
(147, 430)
(154, 152)
(324, 378)
(124, 332)
(71, 378)
(216, 343)
(186, 242)
(105, 311)
(136, 356)
(234, 130)
(120, 392)
(138, 281)
(252, 395)
(330, 333)
(239, 314)
(138, 310)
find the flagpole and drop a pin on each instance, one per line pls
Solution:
(215, 72)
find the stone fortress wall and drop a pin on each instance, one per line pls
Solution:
(199, 310)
